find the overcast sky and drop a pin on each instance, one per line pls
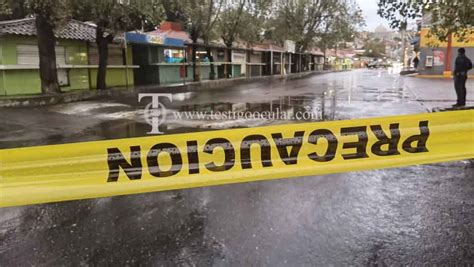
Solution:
(369, 10)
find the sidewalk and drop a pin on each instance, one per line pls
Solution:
(80, 95)
(437, 93)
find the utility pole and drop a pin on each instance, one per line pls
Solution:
(447, 63)
(126, 59)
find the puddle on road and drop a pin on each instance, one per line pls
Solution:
(124, 117)
(186, 116)
(181, 118)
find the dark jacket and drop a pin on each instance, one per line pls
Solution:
(462, 64)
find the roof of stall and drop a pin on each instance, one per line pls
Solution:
(268, 47)
(316, 52)
(276, 48)
(220, 44)
(169, 34)
(73, 30)
(341, 53)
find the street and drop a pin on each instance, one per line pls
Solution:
(404, 216)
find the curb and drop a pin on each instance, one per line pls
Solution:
(81, 95)
(438, 76)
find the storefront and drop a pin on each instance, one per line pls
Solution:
(317, 60)
(209, 67)
(161, 55)
(434, 53)
(76, 59)
(256, 64)
(239, 63)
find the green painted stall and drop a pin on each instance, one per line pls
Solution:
(19, 59)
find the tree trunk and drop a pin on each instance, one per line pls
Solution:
(212, 74)
(193, 58)
(47, 56)
(229, 60)
(103, 50)
(324, 59)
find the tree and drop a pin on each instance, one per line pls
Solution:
(300, 20)
(241, 20)
(373, 48)
(201, 17)
(341, 26)
(12, 9)
(447, 16)
(112, 17)
(50, 14)
(4, 8)
(228, 26)
(174, 10)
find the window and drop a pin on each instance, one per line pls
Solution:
(173, 55)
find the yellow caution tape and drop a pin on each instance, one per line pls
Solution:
(156, 163)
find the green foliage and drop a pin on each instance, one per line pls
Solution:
(374, 48)
(342, 26)
(307, 21)
(201, 17)
(443, 16)
(143, 13)
(174, 10)
(5, 8)
(115, 15)
(242, 20)
(55, 12)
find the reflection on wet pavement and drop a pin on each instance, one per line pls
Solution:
(419, 215)
(327, 97)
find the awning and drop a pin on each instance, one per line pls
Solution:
(156, 37)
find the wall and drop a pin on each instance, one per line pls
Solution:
(76, 54)
(429, 44)
(170, 74)
(2, 87)
(17, 82)
(27, 81)
(424, 53)
(2, 73)
(204, 71)
(21, 82)
(115, 77)
(438, 70)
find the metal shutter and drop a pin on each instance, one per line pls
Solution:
(60, 55)
(115, 55)
(29, 55)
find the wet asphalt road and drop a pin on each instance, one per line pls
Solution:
(404, 216)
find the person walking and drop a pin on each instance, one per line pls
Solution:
(461, 66)
(416, 60)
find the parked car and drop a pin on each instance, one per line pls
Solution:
(375, 64)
